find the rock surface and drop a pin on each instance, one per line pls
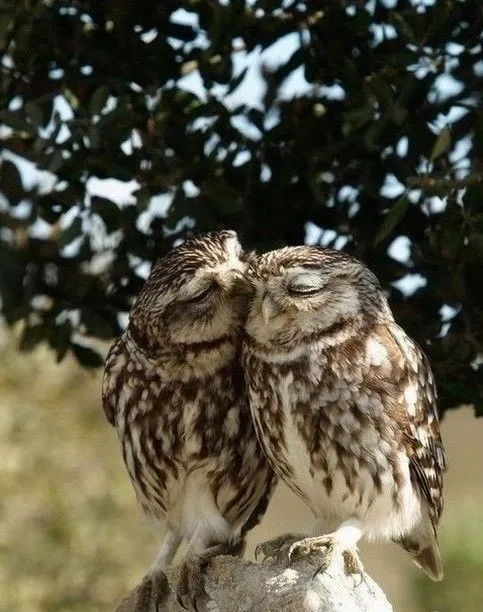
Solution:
(237, 585)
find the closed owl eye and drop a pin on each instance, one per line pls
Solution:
(204, 292)
(305, 285)
(303, 289)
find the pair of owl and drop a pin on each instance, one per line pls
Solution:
(238, 367)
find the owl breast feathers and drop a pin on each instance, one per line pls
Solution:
(344, 402)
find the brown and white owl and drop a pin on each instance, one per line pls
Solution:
(174, 390)
(344, 403)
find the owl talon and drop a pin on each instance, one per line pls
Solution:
(352, 563)
(147, 595)
(309, 546)
(180, 601)
(275, 549)
(320, 570)
(191, 591)
(191, 586)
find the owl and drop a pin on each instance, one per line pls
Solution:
(174, 390)
(344, 404)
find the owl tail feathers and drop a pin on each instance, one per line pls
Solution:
(429, 560)
(425, 555)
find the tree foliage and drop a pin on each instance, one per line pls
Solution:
(351, 123)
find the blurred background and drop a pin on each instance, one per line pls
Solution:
(72, 537)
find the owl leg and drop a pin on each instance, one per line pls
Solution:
(342, 542)
(277, 548)
(154, 588)
(191, 591)
(167, 551)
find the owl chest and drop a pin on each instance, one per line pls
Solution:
(172, 430)
(331, 444)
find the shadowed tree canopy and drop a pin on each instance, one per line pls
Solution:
(351, 124)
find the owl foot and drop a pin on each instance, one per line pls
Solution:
(191, 593)
(352, 563)
(276, 548)
(327, 546)
(148, 595)
(321, 545)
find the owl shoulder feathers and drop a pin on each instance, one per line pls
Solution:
(414, 411)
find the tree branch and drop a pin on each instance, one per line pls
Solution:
(431, 182)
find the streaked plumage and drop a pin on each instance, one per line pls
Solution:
(174, 390)
(344, 401)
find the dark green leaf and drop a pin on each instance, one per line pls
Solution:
(393, 217)
(143, 197)
(100, 324)
(60, 339)
(31, 336)
(34, 114)
(86, 356)
(70, 233)
(16, 121)
(98, 100)
(56, 161)
(234, 83)
(473, 198)
(107, 210)
(10, 182)
(442, 144)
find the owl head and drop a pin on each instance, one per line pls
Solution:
(299, 291)
(194, 293)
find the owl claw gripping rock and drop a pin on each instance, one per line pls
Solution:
(344, 402)
(174, 390)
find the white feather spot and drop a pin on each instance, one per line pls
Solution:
(232, 423)
(376, 352)
(411, 398)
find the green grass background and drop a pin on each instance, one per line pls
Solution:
(73, 539)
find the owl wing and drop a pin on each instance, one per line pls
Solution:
(110, 380)
(419, 421)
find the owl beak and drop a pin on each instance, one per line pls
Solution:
(267, 308)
